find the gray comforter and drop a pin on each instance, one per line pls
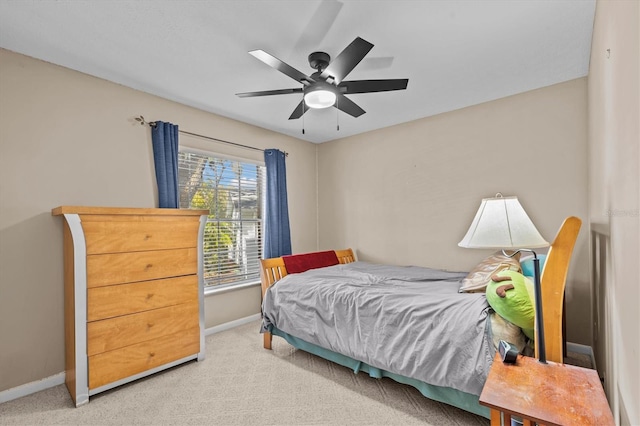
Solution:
(409, 321)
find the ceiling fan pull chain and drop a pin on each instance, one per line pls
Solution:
(303, 109)
(337, 115)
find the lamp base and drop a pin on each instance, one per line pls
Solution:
(542, 356)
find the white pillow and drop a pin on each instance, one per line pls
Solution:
(480, 276)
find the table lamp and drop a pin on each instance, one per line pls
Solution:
(502, 223)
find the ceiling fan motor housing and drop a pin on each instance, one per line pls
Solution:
(319, 60)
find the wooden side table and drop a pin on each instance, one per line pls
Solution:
(545, 394)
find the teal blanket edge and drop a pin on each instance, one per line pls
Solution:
(459, 399)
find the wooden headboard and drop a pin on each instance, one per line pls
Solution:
(553, 282)
(273, 270)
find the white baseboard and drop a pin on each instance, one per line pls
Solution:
(584, 350)
(32, 387)
(232, 324)
(58, 379)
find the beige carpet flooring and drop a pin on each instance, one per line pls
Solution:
(240, 383)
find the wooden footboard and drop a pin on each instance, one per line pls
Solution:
(273, 270)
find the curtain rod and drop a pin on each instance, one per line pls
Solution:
(142, 122)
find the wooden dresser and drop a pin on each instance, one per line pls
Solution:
(134, 294)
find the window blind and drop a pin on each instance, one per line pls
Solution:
(233, 192)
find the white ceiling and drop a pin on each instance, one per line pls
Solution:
(454, 53)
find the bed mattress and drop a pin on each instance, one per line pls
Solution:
(409, 321)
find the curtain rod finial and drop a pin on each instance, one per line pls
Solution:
(142, 121)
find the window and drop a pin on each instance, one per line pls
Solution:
(233, 192)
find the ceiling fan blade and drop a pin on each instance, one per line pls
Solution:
(345, 104)
(268, 93)
(347, 60)
(284, 68)
(367, 86)
(299, 111)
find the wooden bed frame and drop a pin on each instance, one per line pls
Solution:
(553, 281)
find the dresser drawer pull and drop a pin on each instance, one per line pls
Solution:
(149, 296)
(152, 354)
(149, 325)
(149, 266)
(147, 237)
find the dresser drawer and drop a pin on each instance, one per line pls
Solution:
(118, 268)
(123, 299)
(115, 333)
(120, 236)
(114, 365)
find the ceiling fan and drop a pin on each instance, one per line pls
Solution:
(326, 87)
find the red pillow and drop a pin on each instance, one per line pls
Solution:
(303, 262)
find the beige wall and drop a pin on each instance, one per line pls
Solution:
(407, 194)
(614, 196)
(67, 138)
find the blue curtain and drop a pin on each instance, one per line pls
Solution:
(277, 236)
(165, 156)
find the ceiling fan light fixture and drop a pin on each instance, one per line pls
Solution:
(319, 98)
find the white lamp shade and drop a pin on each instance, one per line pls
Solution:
(501, 223)
(320, 98)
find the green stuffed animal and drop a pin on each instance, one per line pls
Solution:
(511, 295)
